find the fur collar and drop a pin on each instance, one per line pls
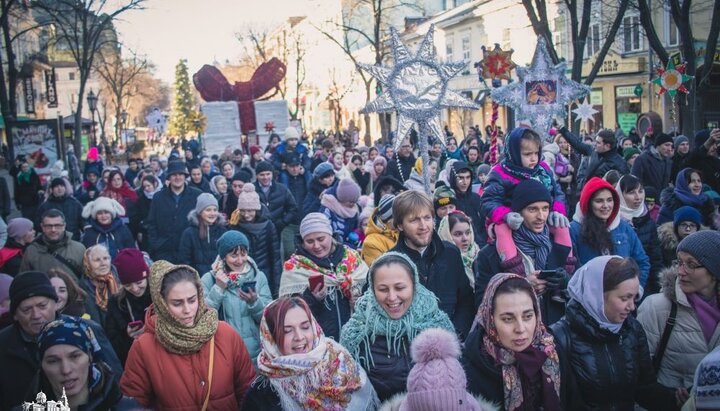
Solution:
(668, 238)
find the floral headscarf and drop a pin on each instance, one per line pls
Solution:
(541, 348)
(105, 285)
(325, 378)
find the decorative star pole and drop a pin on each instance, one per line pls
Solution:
(671, 80)
(542, 91)
(496, 65)
(585, 111)
(417, 88)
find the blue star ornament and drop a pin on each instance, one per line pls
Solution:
(416, 87)
(542, 91)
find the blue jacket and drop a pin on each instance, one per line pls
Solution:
(167, 220)
(115, 237)
(283, 155)
(626, 241)
(243, 318)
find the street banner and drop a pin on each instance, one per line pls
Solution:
(37, 140)
(50, 88)
(29, 93)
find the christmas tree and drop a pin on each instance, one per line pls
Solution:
(183, 107)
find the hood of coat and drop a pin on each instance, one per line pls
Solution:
(667, 280)
(193, 219)
(668, 239)
(373, 228)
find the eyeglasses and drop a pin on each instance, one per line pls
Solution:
(54, 226)
(689, 267)
(687, 226)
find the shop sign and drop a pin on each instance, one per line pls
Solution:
(627, 121)
(625, 91)
(614, 64)
(596, 97)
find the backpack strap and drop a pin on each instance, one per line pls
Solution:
(662, 346)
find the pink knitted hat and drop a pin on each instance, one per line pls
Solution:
(347, 191)
(248, 198)
(437, 380)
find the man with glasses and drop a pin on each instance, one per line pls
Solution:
(403, 162)
(686, 220)
(54, 248)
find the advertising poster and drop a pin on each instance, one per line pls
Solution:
(38, 141)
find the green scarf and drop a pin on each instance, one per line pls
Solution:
(23, 177)
(370, 320)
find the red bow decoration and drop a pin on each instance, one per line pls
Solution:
(269, 126)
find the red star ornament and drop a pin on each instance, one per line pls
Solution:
(497, 63)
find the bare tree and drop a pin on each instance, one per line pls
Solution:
(83, 27)
(367, 23)
(119, 75)
(335, 95)
(680, 12)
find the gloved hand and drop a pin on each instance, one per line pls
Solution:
(514, 220)
(557, 281)
(556, 219)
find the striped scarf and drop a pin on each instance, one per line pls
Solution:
(534, 245)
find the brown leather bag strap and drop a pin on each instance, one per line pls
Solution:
(210, 373)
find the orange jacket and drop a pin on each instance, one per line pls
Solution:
(161, 380)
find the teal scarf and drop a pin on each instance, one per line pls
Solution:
(370, 320)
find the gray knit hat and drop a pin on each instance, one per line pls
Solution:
(385, 207)
(315, 223)
(18, 227)
(704, 246)
(204, 201)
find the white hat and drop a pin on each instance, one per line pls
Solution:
(291, 132)
(103, 204)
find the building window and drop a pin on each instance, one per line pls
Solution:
(449, 48)
(506, 38)
(593, 40)
(466, 46)
(672, 34)
(71, 75)
(631, 34)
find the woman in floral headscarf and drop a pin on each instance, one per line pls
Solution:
(301, 369)
(186, 359)
(99, 281)
(509, 356)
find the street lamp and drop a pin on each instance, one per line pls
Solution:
(92, 104)
(196, 123)
(123, 122)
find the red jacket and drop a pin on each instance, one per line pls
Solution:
(161, 380)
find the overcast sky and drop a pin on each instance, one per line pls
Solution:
(200, 31)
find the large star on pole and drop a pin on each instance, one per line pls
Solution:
(416, 87)
(585, 111)
(671, 79)
(542, 91)
(497, 63)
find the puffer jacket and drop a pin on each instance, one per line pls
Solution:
(669, 242)
(608, 371)
(377, 240)
(264, 249)
(647, 233)
(671, 203)
(280, 202)
(197, 253)
(120, 313)
(653, 169)
(389, 370)
(484, 376)
(159, 379)
(166, 221)
(115, 237)
(245, 319)
(686, 346)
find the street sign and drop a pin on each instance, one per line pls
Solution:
(638, 90)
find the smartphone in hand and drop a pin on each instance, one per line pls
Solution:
(314, 281)
(247, 286)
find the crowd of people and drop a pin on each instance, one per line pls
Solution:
(580, 273)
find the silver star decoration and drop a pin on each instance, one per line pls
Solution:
(416, 87)
(585, 111)
(542, 91)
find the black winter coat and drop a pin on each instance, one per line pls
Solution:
(599, 163)
(282, 206)
(116, 237)
(709, 166)
(11, 265)
(26, 194)
(406, 165)
(138, 217)
(204, 185)
(646, 230)
(167, 220)
(264, 249)
(197, 253)
(20, 355)
(5, 204)
(261, 396)
(299, 190)
(470, 203)
(484, 375)
(70, 207)
(487, 264)
(653, 169)
(120, 313)
(441, 271)
(389, 371)
(311, 204)
(333, 312)
(609, 371)
(671, 203)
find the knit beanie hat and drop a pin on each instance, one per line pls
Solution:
(681, 139)
(650, 193)
(594, 185)
(131, 266)
(57, 181)
(254, 149)
(231, 240)
(248, 198)
(483, 169)
(315, 223)
(263, 166)
(629, 152)
(102, 204)
(204, 201)
(291, 132)
(323, 170)
(30, 284)
(704, 246)
(687, 213)
(92, 153)
(437, 380)
(347, 191)
(242, 175)
(706, 384)
(384, 208)
(443, 196)
(663, 138)
(702, 136)
(527, 192)
(18, 227)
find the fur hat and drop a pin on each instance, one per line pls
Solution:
(437, 380)
(102, 204)
(248, 198)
